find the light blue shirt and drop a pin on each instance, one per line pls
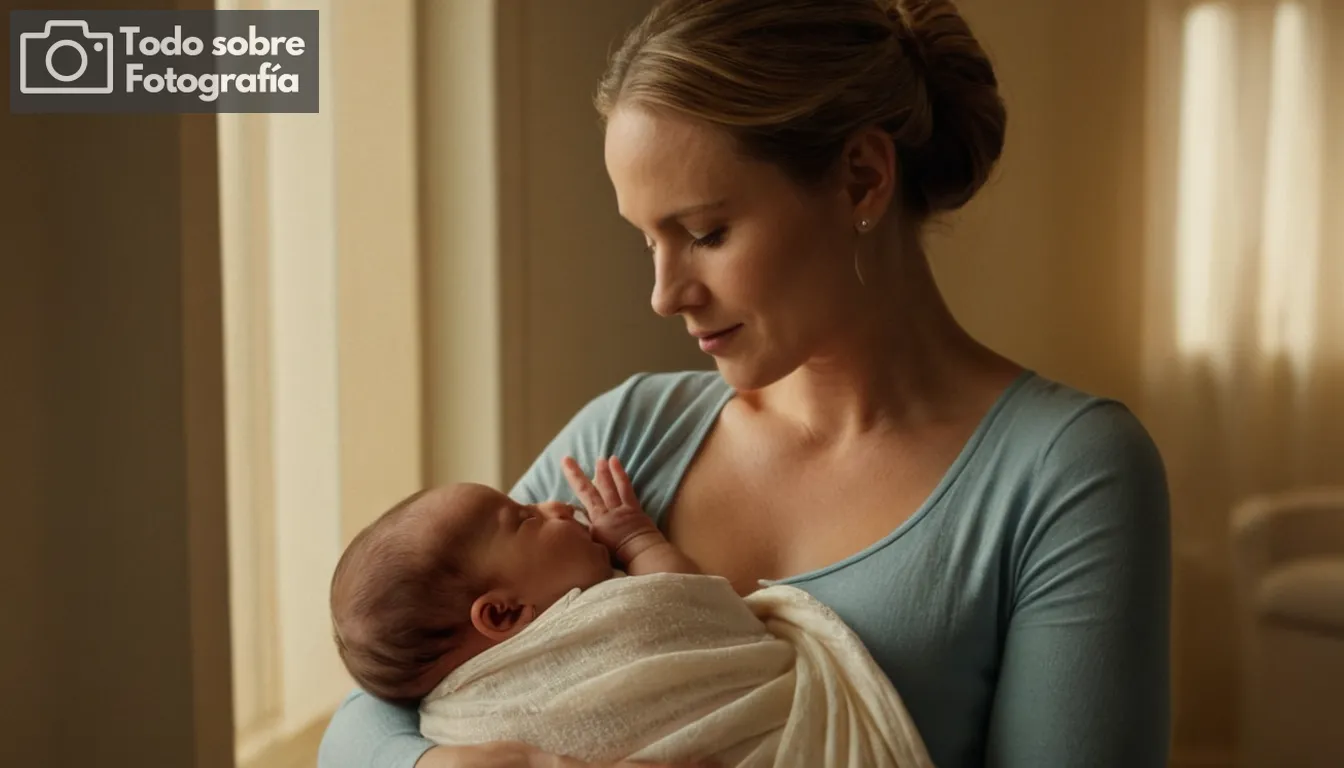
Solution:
(1022, 612)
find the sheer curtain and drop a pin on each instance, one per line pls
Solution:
(1243, 348)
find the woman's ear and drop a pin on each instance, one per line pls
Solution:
(870, 173)
(498, 616)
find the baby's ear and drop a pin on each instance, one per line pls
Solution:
(499, 616)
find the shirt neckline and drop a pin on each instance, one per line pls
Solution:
(947, 481)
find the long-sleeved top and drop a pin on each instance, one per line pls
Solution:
(1022, 611)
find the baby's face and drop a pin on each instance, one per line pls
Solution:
(539, 550)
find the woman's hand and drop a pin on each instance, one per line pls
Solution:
(516, 755)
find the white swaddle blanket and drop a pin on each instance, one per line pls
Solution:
(679, 667)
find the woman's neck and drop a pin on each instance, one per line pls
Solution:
(901, 362)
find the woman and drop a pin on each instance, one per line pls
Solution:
(999, 541)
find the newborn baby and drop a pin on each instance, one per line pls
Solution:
(668, 665)
(453, 571)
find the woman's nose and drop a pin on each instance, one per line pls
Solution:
(674, 289)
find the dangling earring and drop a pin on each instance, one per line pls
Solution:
(862, 227)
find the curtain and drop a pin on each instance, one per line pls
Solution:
(1243, 327)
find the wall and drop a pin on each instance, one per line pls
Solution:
(1063, 211)
(993, 258)
(115, 600)
(517, 344)
(585, 315)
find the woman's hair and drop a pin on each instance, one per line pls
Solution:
(792, 80)
(397, 608)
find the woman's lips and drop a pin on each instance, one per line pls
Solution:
(716, 342)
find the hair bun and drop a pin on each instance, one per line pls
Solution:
(793, 81)
(944, 166)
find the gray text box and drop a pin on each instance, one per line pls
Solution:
(163, 61)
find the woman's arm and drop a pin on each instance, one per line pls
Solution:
(516, 755)
(394, 741)
(367, 732)
(1085, 672)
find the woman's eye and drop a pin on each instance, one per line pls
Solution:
(712, 240)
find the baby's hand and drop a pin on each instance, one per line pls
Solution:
(618, 521)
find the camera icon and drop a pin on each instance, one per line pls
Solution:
(38, 67)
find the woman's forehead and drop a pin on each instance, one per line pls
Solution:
(657, 135)
(659, 165)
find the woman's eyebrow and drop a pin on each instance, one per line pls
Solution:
(672, 218)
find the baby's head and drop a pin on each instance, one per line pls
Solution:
(447, 573)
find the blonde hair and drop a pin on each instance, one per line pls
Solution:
(792, 80)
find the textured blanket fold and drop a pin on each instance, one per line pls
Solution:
(678, 667)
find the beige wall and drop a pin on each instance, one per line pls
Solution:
(1063, 213)
(585, 315)
(992, 259)
(114, 649)
(516, 344)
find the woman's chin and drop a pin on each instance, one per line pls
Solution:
(749, 375)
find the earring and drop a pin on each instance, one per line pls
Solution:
(862, 226)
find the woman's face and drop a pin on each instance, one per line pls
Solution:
(759, 268)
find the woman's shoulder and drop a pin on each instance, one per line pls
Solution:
(1061, 451)
(662, 393)
(648, 421)
(649, 400)
(678, 386)
(1048, 423)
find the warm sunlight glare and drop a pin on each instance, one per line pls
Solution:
(1206, 109)
(1292, 216)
